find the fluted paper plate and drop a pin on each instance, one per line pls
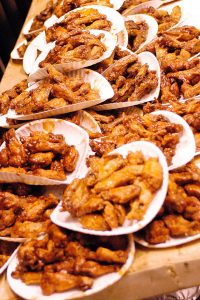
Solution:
(64, 219)
(109, 40)
(33, 292)
(73, 134)
(49, 22)
(88, 122)
(112, 15)
(144, 58)
(172, 242)
(152, 26)
(137, 8)
(117, 3)
(96, 80)
(156, 4)
(186, 148)
(37, 45)
(122, 38)
(14, 54)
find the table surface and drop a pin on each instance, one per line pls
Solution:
(153, 272)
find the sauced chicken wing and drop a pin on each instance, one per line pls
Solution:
(114, 189)
(128, 128)
(189, 110)
(78, 45)
(174, 50)
(87, 18)
(137, 34)
(22, 214)
(127, 79)
(117, 54)
(14, 153)
(63, 260)
(7, 96)
(180, 214)
(164, 19)
(40, 154)
(54, 91)
(45, 14)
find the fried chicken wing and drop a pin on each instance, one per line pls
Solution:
(70, 159)
(157, 232)
(54, 91)
(40, 154)
(137, 34)
(94, 221)
(121, 195)
(180, 214)
(63, 260)
(178, 226)
(77, 46)
(60, 282)
(114, 189)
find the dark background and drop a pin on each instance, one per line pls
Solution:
(12, 16)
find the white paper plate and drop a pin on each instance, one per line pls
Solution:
(172, 242)
(122, 38)
(96, 80)
(64, 219)
(117, 3)
(112, 15)
(152, 26)
(38, 44)
(109, 40)
(4, 267)
(185, 149)
(12, 239)
(27, 27)
(33, 292)
(5, 124)
(49, 22)
(144, 57)
(73, 134)
(88, 122)
(14, 54)
(154, 3)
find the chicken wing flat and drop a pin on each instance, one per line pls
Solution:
(180, 215)
(64, 260)
(117, 54)
(78, 45)
(127, 128)
(130, 4)
(130, 79)
(114, 189)
(137, 34)
(40, 154)
(54, 91)
(23, 214)
(157, 232)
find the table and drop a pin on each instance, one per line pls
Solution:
(153, 272)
